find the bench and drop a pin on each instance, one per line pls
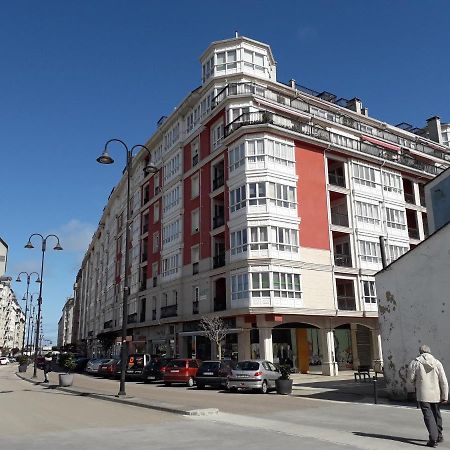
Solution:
(363, 373)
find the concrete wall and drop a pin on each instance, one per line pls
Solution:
(414, 308)
(438, 197)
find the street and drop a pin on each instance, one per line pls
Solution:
(41, 417)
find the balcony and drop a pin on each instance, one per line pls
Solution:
(195, 307)
(219, 260)
(336, 180)
(195, 268)
(339, 219)
(342, 260)
(413, 233)
(220, 304)
(218, 182)
(169, 311)
(346, 303)
(218, 221)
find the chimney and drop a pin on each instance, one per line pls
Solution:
(355, 104)
(434, 129)
(292, 83)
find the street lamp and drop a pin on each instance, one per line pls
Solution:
(30, 321)
(104, 158)
(26, 298)
(38, 324)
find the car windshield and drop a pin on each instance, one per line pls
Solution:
(247, 365)
(177, 363)
(210, 365)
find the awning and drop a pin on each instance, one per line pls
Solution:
(381, 143)
(203, 333)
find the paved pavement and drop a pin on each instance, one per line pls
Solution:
(247, 421)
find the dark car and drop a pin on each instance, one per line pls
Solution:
(135, 365)
(213, 373)
(154, 370)
(80, 364)
(109, 368)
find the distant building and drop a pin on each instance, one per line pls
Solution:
(413, 294)
(65, 324)
(3, 256)
(266, 210)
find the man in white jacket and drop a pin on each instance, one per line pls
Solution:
(428, 376)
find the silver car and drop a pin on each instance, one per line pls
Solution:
(94, 364)
(253, 374)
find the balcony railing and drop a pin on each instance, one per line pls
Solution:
(339, 219)
(219, 260)
(168, 311)
(409, 198)
(336, 180)
(218, 221)
(342, 260)
(218, 182)
(346, 303)
(294, 102)
(413, 233)
(195, 307)
(295, 125)
(220, 304)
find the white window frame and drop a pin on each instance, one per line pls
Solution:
(195, 185)
(195, 221)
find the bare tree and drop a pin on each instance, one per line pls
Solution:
(215, 329)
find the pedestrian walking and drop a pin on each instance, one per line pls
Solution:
(47, 366)
(428, 376)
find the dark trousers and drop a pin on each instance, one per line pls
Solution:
(432, 418)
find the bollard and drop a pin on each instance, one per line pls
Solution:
(375, 390)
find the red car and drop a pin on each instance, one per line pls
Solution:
(181, 371)
(109, 369)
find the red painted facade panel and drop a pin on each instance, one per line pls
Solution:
(153, 228)
(312, 196)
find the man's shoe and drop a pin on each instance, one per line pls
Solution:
(45, 381)
(440, 439)
(431, 444)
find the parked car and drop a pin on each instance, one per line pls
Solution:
(253, 374)
(80, 364)
(93, 365)
(4, 361)
(155, 369)
(181, 371)
(12, 359)
(109, 368)
(135, 365)
(213, 373)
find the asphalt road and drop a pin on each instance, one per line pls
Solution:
(36, 417)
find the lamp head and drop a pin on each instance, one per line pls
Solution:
(18, 279)
(57, 246)
(104, 158)
(38, 280)
(29, 245)
(150, 169)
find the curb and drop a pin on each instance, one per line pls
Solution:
(131, 401)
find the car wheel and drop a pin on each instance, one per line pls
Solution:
(200, 386)
(166, 383)
(190, 382)
(264, 387)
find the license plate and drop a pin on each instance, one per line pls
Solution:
(174, 371)
(208, 373)
(150, 378)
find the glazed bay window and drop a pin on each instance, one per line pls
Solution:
(284, 239)
(172, 199)
(257, 193)
(172, 168)
(217, 136)
(364, 175)
(395, 251)
(392, 183)
(226, 61)
(238, 241)
(282, 195)
(395, 218)
(239, 286)
(254, 60)
(237, 157)
(255, 151)
(171, 232)
(170, 265)
(280, 153)
(237, 199)
(286, 285)
(370, 251)
(259, 238)
(368, 213)
(260, 284)
(370, 296)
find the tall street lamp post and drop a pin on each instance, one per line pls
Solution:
(26, 299)
(30, 322)
(38, 321)
(106, 159)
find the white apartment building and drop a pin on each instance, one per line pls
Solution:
(65, 324)
(267, 210)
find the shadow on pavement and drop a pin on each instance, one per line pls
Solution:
(419, 442)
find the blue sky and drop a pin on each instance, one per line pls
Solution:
(74, 74)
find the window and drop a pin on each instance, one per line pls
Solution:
(237, 199)
(170, 265)
(171, 232)
(254, 60)
(395, 251)
(195, 150)
(284, 239)
(155, 242)
(195, 218)
(172, 168)
(195, 186)
(238, 241)
(156, 183)
(195, 258)
(226, 61)
(172, 199)
(257, 193)
(237, 157)
(259, 238)
(156, 212)
(392, 182)
(364, 175)
(280, 153)
(216, 136)
(286, 285)
(255, 151)
(370, 251)
(261, 284)
(395, 219)
(369, 292)
(282, 195)
(208, 68)
(368, 213)
(239, 286)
